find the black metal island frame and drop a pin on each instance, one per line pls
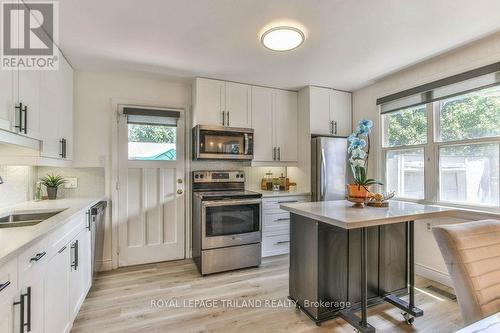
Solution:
(345, 259)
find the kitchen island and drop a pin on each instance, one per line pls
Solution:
(344, 259)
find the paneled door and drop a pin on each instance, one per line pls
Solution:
(151, 207)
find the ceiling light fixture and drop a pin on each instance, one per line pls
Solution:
(282, 38)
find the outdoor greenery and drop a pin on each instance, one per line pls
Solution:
(469, 116)
(151, 133)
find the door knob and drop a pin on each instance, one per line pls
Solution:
(180, 191)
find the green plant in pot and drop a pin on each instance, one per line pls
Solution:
(52, 183)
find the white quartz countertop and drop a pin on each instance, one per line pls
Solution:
(16, 239)
(277, 194)
(341, 213)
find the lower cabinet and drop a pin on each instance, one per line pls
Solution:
(57, 292)
(79, 275)
(41, 290)
(276, 225)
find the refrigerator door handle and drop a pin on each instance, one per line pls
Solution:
(323, 176)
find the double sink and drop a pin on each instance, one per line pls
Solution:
(26, 218)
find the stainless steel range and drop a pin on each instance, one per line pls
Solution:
(226, 222)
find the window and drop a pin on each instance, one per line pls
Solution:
(405, 172)
(151, 138)
(470, 116)
(469, 173)
(406, 127)
(445, 150)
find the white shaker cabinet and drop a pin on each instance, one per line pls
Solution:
(6, 99)
(208, 103)
(286, 118)
(262, 123)
(238, 113)
(341, 112)
(274, 120)
(56, 305)
(80, 275)
(330, 111)
(221, 103)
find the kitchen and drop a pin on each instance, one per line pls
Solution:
(204, 151)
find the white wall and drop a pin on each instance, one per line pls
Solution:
(480, 53)
(93, 119)
(18, 184)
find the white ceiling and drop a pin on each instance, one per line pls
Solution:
(349, 42)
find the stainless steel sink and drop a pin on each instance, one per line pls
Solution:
(25, 219)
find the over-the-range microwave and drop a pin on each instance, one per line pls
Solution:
(222, 143)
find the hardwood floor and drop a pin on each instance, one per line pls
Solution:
(121, 301)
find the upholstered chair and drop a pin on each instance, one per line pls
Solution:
(471, 252)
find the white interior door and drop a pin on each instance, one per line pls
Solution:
(151, 200)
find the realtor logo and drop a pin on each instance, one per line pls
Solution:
(29, 35)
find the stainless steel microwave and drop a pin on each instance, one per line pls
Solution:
(222, 143)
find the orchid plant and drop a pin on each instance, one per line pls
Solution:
(359, 150)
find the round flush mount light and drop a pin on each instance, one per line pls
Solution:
(282, 38)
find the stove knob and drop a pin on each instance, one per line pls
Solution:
(201, 176)
(237, 176)
(197, 176)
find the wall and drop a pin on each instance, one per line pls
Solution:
(91, 181)
(480, 53)
(95, 94)
(18, 184)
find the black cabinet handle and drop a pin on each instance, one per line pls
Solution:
(88, 220)
(4, 285)
(38, 256)
(21, 304)
(24, 127)
(63, 148)
(289, 201)
(20, 108)
(74, 246)
(281, 242)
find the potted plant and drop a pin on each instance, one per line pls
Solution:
(52, 183)
(359, 150)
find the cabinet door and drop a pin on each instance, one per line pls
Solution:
(66, 107)
(319, 103)
(50, 112)
(7, 315)
(209, 99)
(80, 274)
(238, 105)
(33, 289)
(262, 123)
(6, 99)
(56, 306)
(341, 112)
(28, 93)
(285, 125)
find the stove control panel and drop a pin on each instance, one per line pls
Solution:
(218, 176)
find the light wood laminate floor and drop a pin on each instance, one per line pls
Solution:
(121, 301)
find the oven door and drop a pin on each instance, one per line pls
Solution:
(230, 222)
(223, 143)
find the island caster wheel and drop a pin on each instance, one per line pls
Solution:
(318, 324)
(408, 318)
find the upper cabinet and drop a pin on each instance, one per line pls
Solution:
(274, 120)
(221, 103)
(39, 104)
(330, 111)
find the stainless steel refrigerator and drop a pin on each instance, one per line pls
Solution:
(329, 168)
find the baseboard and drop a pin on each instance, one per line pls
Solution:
(433, 274)
(106, 265)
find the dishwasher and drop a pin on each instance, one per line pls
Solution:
(97, 219)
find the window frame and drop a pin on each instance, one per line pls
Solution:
(431, 160)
